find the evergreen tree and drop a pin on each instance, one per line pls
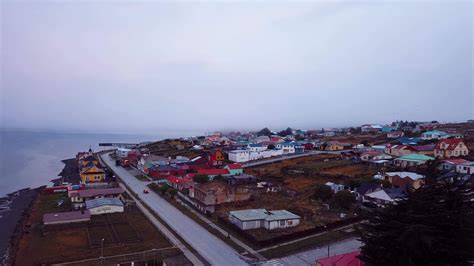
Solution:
(433, 226)
(265, 132)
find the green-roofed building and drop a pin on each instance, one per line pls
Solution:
(412, 160)
(258, 218)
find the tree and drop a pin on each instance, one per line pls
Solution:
(386, 184)
(265, 132)
(433, 226)
(201, 178)
(322, 192)
(285, 132)
(344, 199)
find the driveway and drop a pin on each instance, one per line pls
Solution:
(214, 250)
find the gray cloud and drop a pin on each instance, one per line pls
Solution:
(152, 66)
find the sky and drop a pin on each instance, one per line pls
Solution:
(110, 66)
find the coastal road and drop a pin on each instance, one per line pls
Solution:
(214, 250)
(288, 157)
(309, 257)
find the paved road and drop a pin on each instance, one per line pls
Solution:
(287, 157)
(214, 250)
(309, 257)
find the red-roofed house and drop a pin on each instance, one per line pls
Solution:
(179, 183)
(211, 173)
(347, 259)
(448, 148)
(450, 164)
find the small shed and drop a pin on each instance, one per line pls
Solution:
(104, 205)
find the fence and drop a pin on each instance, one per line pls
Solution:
(147, 257)
(285, 238)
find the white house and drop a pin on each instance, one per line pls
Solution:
(384, 196)
(287, 147)
(434, 134)
(239, 156)
(276, 152)
(122, 152)
(104, 205)
(258, 218)
(465, 168)
(335, 187)
(257, 155)
(261, 139)
(256, 147)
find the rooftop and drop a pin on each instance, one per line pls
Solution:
(93, 192)
(66, 216)
(102, 202)
(411, 175)
(415, 157)
(263, 214)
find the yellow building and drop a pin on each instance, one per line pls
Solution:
(92, 173)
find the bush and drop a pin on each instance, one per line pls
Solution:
(322, 192)
(344, 199)
(201, 178)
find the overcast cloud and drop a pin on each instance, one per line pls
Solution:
(140, 67)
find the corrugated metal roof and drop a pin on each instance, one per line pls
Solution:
(102, 202)
(66, 216)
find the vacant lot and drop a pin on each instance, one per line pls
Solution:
(70, 243)
(296, 180)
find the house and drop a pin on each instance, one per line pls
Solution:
(299, 148)
(365, 188)
(261, 139)
(209, 194)
(465, 168)
(234, 169)
(425, 149)
(179, 183)
(389, 129)
(160, 171)
(256, 147)
(211, 173)
(434, 134)
(66, 217)
(369, 155)
(308, 146)
(404, 179)
(239, 156)
(276, 139)
(451, 164)
(382, 156)
(286, 147)
(133, 157)
(346, 259)
(337, 146)
(104, 205)
(412, 160)
(385, 196)
(216, 158)
(261, 218)
(335, 187)
(399, 150)
(395, 134)
(409, 141)
(91, 172)
(448, 148)
(148, 161)
(371, 128)
(240, 179)
(122, 152)
(79, 197)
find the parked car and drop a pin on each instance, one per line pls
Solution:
(146, 191)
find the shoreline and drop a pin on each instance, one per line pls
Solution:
(14, 212)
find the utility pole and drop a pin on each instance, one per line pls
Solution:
(102, 252)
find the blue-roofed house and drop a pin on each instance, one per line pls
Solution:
(412, 160)
(287, 147)
(409, 141)
(104, 205)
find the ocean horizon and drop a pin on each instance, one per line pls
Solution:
(32, 158)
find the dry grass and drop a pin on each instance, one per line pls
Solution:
(72, 243)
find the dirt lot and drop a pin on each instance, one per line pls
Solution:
(70, 243)
(297, 179)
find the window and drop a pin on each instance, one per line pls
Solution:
(290, 222)
(282, 223)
